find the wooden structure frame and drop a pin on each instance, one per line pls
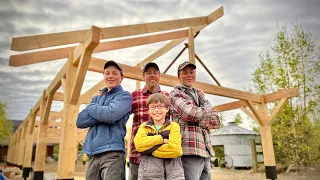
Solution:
(80, 60)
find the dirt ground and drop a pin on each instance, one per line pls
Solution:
(217, 174)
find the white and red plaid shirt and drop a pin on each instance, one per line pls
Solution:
(140, 115)
(196, 119)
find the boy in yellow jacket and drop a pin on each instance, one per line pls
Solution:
(159, 142)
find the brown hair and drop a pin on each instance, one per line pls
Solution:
(158, 98)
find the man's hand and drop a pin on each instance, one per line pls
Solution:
(201, 93)
(101, 93)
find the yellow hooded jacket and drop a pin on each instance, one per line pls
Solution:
(148, 139)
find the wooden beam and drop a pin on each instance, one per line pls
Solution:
(85, 50)
(60, 53)
(56, 82)
(90, 42)
(245, 110)
(29, 143)
(254, 155)
(191, 46)
(213, 17)
(161, 51)
(57, 39)
(22, 144)
(58, 96)
(276, 110)
(266, 137)
(255, 112)
(230, 106)
(41, 149)
(131, 72)
(287, 93)
(68, 136)
(33, 121)
(52, 114)
(45, 117)
(175, 59)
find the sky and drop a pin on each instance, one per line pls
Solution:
(229, 47)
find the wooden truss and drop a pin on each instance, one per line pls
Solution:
(80, 60)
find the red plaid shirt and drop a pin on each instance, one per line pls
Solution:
(140, 115)
(196, 119)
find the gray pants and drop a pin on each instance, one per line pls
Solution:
(196, 168)
(106, 166)
(133, 175)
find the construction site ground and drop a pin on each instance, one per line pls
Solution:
(217, 173)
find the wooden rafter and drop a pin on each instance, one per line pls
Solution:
(246, 111)
(179, 54)
(60, 53)
(255, 112)
(286, 93)
(57, 39)
(132, 72)
(276, 110)
(211, 18)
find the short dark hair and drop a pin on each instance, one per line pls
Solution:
(158, 98)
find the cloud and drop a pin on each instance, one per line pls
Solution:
(229, 47)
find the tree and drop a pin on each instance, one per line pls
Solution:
(238, 119)
(293, 61)
(6, 128)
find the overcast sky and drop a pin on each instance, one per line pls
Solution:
(229, 47)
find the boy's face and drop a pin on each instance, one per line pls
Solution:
(112, 77)
(158, 111)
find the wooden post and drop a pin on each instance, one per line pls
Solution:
(68, 138)
(29, 146)
(8, 161)
(16, 148)
(138, 84)
(267, 143)
(41, 149)
(22, 144)
(191, 46)
(254, 156)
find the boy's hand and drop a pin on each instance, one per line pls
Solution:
(165, 141)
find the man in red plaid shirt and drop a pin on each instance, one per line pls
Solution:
(151, 75)
(196, 118)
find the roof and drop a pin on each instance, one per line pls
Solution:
(232, 128)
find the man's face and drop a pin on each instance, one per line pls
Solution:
(157, 111)
(187, 76)
(112, 77)
(151, 76)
